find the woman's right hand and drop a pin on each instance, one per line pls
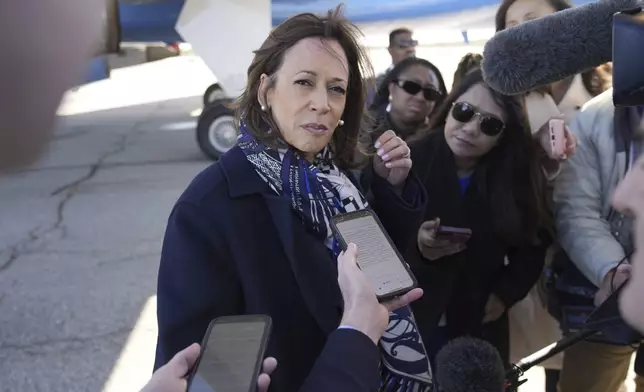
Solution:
(431, 248)
(569, 145)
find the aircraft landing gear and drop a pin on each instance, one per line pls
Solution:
(216, 129)
(213, 93)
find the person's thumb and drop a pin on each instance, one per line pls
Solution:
(347, 260)
(181, 363)
(431, 225)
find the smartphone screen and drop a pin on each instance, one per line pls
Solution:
(376, 255)
(231, 355)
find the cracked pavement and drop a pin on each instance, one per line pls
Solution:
(81, 232)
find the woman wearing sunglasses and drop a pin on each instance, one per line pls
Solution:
(480, 168)
(406, 98)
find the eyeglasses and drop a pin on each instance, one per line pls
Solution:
(489, 124)
(407, 44)
(430, 94)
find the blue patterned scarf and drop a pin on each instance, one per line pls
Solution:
(318, 190)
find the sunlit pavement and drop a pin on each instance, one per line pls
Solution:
(80, 232)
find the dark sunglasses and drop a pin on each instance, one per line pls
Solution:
(412, 88)
(489, 125)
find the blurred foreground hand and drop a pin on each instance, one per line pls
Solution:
(46, 47)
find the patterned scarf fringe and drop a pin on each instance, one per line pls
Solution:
(391, 382)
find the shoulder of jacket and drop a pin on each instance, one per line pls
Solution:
(208, 188)
(596, 115)
(601, 104)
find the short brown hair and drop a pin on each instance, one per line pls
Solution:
(396, 32)
(268, 59)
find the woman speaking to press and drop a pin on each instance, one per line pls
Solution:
(251, 233)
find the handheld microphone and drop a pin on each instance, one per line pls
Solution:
(551, 48)
(469, 365)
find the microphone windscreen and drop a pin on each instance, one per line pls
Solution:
(469, 365)
(551, 48)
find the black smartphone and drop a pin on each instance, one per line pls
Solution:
(378, 257)
(457, 235)
(232, 353)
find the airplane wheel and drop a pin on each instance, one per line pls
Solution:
(213, 93)
(216, 130)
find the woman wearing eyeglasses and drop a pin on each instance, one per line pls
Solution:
(481, 171)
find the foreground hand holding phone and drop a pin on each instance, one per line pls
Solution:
(362, 310)
(172, 376)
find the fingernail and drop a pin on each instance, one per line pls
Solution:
(385, 157)
(377, 145)
(381, 152)
(388, 165)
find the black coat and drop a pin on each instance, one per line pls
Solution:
(460, 285)
(234, 247)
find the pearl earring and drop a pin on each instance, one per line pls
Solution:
(340, 123)
(263, 108)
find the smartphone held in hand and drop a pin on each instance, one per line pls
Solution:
(456, 235)
(557, 129)
(232, 353)
(378, 257)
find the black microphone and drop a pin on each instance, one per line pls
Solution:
(604, 320)
(469, 365)
(551, 48)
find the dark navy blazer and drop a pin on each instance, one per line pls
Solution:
(232, 246)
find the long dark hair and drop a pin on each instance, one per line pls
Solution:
(268, 59)
(382, 94)
(596, 80)
(509, 176)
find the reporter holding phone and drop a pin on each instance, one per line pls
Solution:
(172, 377)
(480, 168)
(251, 234)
